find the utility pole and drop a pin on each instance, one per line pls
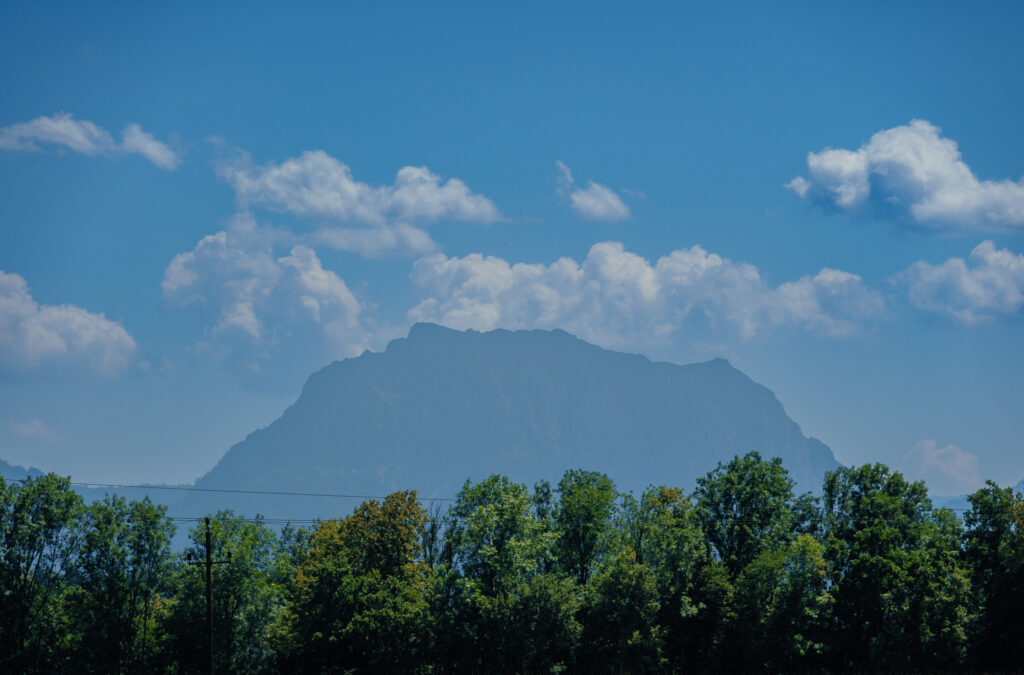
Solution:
(209, 563)
(209, 590)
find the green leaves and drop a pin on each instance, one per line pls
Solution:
(358, 596)
(745, 507)
(583, 521)
(496, 540)
(741, 576)
(994, 558)
(248, 598)
(39, 538)
(123, 565)
(900, 596)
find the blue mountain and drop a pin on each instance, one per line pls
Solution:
(14, 472)
(442, 406)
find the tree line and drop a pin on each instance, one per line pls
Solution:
(741, 574)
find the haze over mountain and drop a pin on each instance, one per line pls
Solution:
(441, 406)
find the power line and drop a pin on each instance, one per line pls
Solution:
(250, 519)
(184, 488)
(298, 494)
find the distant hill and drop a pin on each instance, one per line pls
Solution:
(960, 503)
(441, 406)
(15, 472)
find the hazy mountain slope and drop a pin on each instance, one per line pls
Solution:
(15, 472)
(441, 406)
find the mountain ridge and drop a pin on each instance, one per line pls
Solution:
(533, 402)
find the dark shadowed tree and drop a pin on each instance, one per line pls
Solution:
(248, 598)
(621, 632)
(38, 543)
(994, 554)
(662, 531)
(782, 608)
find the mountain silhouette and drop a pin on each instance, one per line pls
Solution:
(441, 406)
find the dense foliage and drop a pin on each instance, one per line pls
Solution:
(741, 575)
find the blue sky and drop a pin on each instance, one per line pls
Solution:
(199, 206)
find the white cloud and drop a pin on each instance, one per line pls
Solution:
(911, 172)
(34, 336)
(135, 140)
(618, 299)
(84, 137)
(253, 295)
(378, 219)
(594, 202)
(375, 242)
(33, 429)
(947, 470)
(989, 283)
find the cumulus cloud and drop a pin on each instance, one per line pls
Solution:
(617, 298)
(947, 470)
(989, 283)
(33, 429)
(84, 137)
(357, 216)
(913, 173)
(594, 202)
(35, 336)
(254, 295)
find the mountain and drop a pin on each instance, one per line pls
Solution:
(14, 472)
(441, 406)
(961, 504)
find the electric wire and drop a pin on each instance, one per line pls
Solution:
(301, 521)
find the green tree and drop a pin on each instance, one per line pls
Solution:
(38, 543)
(583, 520)
(123, 565)
(782, 605)
(746, 507)
(663, 531)
(496, 540)
(994, 554)
(621, 630)
(900, 596)
(501, 609)
(248, 598)
(358, 599)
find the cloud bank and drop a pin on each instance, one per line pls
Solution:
(616, 298)
(989, 283)
(352, 215)
(911, 173)
(594, 202)
(84, 137)
(34, 429)
(947, 470)
(63, 336)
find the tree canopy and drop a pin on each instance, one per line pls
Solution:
(739, 575)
